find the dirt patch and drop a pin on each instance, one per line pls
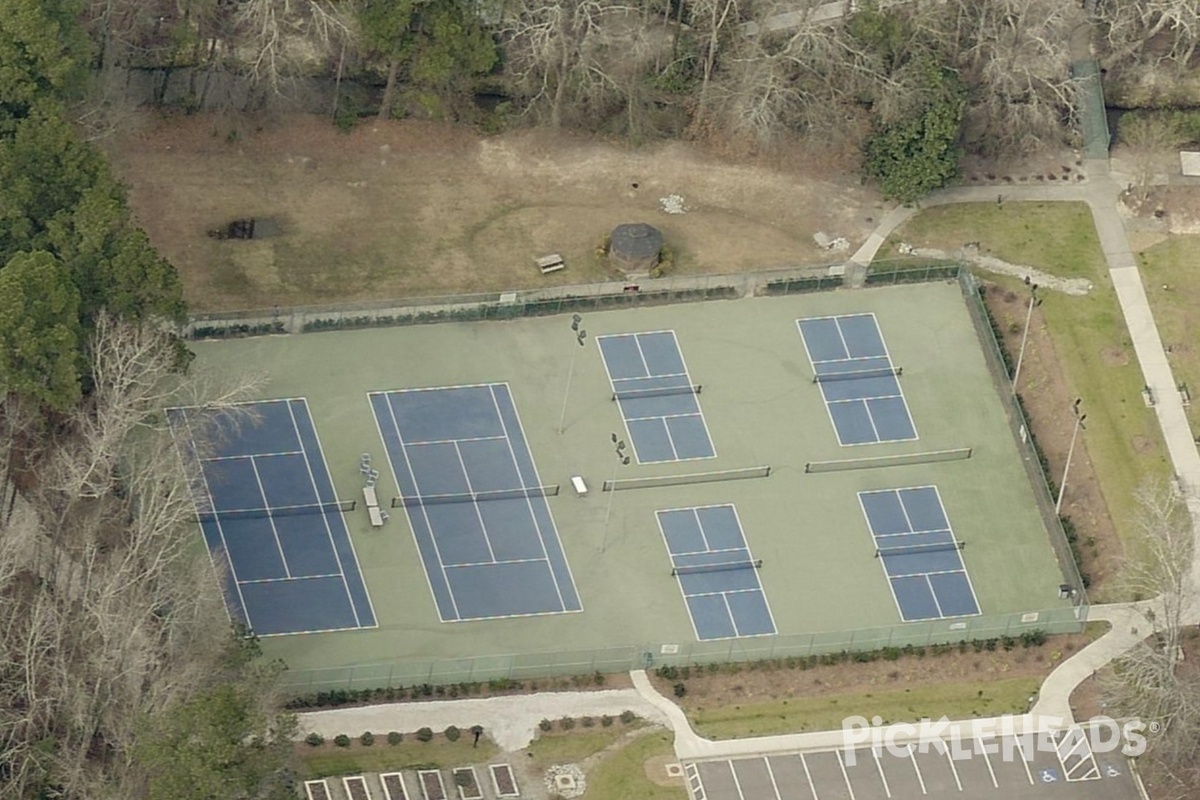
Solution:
(708, 687)
(656, 771)
(1114, 357)
(1143, 444)
(1045, 394)
(410, 208)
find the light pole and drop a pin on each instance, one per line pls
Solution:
(1079, 418)
(1033, 302)
(622, 460)
(580, 336)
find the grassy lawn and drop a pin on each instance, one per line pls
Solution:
(1176, 263)
(956, 701)
(623, 775)
(565, 748)
(1089, 332)
(320, 762)
(1058, 238)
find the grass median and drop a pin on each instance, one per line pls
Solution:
(1089, 332)
(800, 714)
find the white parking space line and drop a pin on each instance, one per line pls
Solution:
(771, 774)
(912, 755)
(1024, 760)
(887, 789)
(954, 769)
(845, 776)
(987, 760)
(808, 775)
(694, 782)
(736, 783)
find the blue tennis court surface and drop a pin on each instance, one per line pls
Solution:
(657, 398)
(470, 488)
(270, 521)
(920, 556)
(857, 378)
(717, 574)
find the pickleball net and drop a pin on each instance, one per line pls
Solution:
(662, 391)
(223, 514)
(914, 549)
(550, 490)
(882, 372)
(724, 566)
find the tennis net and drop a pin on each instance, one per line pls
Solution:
(687, 478)
(664, 391)
(220, 515)
(475, 497)
(911, 549)
(882, 372)
(722, 567)
(899, 460)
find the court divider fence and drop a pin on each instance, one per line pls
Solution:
(898, 460)
(408, 672)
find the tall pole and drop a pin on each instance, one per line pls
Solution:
(1025, 336)
(1062, 487)
(580, 336)
(622, 459)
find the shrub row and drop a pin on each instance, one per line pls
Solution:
(367, 739)
(236, 330)
(345, 697)
(605, 721)
(1027, 639)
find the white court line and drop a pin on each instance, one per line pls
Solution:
(220, 532)
(341, 517)
(494, 563)
(252, 455)
(459, 441)
(879, 767)
(325, 517)
(478, 511)
(424, 512)
(262, 492)
(613, 385)
(529, 500)
(891, 364)
(291, 579)
(882, 566)
(845, 776)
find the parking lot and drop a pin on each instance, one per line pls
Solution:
(1009, 767)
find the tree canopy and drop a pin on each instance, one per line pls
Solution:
(39, 330)
(919, 153)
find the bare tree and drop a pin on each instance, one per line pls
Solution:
(1148, 682)
(277, 38)
(1017, 55)
(1150, 140)
(1132, 26)
(107, 616)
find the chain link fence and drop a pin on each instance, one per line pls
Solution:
(996, 628)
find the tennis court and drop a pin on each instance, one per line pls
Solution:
(474, 502)
(273, 523)
(716, 572)
(474, 426)
(658, 401)
(858, 380)
(920, 556)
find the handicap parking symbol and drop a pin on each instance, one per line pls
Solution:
(1049, 776)
(1111, 771)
